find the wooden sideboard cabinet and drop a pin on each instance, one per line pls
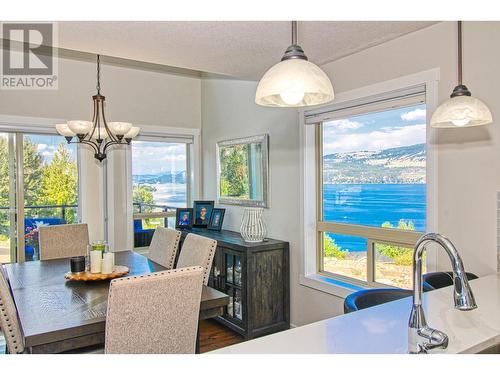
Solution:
(256, 276)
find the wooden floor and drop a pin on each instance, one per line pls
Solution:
(214, 335)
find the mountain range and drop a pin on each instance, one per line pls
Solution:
(160, 178)
(399, 165)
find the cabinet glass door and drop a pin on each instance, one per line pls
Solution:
(233, 268)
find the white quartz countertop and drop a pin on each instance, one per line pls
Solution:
(383, 328)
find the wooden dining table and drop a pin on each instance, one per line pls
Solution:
(58, 315)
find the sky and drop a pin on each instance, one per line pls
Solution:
(47, 145)
(375, 131)
(147, 157)
(158, 157)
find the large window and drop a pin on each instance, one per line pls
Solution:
(160, 185)
(40, 188)
(372, 190)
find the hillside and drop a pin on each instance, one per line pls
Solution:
(160, 178)
(400, 165)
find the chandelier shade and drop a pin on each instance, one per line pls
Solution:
(462, 109)
(64, 130)
(294, 81)
(98, 134)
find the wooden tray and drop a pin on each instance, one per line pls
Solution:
(87, 276)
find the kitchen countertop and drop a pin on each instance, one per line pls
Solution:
(384, 328)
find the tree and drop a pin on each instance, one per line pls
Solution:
(401, 255)
(33, 173)
(33, 169)
(60, 181)
(331, 249)
(143, 194)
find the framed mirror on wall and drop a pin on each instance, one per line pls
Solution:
(242, 171)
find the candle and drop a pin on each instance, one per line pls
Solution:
(107, 263)
(95, 261)
(77, 264)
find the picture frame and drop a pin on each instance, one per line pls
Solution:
(184, 218)
(202, 210)
(216, 219)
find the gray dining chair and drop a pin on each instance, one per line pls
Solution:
(163, 247)
(63, 241)
(156, 313)
(9, 321)
(197, 251)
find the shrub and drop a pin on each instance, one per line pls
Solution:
(401, 255)
(331, 249)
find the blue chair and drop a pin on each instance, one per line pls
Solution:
(30, 223)
(142, 237)
(366, 298)
(438, 280)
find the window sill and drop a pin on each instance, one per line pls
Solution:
(328, 285)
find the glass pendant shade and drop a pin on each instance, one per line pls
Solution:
(64, 130)
(100, 133)
(294, 83)
(119, 128)
(80, 127)
(132, 133)
(461, 111)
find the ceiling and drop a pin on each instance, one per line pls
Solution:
(243, 50)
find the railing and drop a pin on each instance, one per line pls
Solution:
(64, 209)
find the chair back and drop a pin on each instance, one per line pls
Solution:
(439, 280)
(63, 241)
(197, 251)
(9, 321)
(163, 247)
(155, 313)
(366, 298)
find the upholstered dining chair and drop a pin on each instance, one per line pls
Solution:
(155, 313)
(163, 247)
(9, 321)
(63, 241)
(197, 251)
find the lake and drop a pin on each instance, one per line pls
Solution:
(373, 204)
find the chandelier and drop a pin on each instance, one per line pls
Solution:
(98, 134)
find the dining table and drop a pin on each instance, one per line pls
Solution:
(59, 315)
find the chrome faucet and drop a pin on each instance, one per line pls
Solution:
(421, 337)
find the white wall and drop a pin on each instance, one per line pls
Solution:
(134, 95)
(468, 159)
(229, 111)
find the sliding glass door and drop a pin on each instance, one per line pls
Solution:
(160, 184)
(8, 232)
(38, 187)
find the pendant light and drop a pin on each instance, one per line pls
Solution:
(462, 109)
(98, 134)
(294, 81)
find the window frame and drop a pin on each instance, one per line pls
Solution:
(192, 138)
(20, 126)
(312, 274)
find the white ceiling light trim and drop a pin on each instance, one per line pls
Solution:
(295, 81)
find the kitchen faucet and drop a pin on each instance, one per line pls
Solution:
(421, 337)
